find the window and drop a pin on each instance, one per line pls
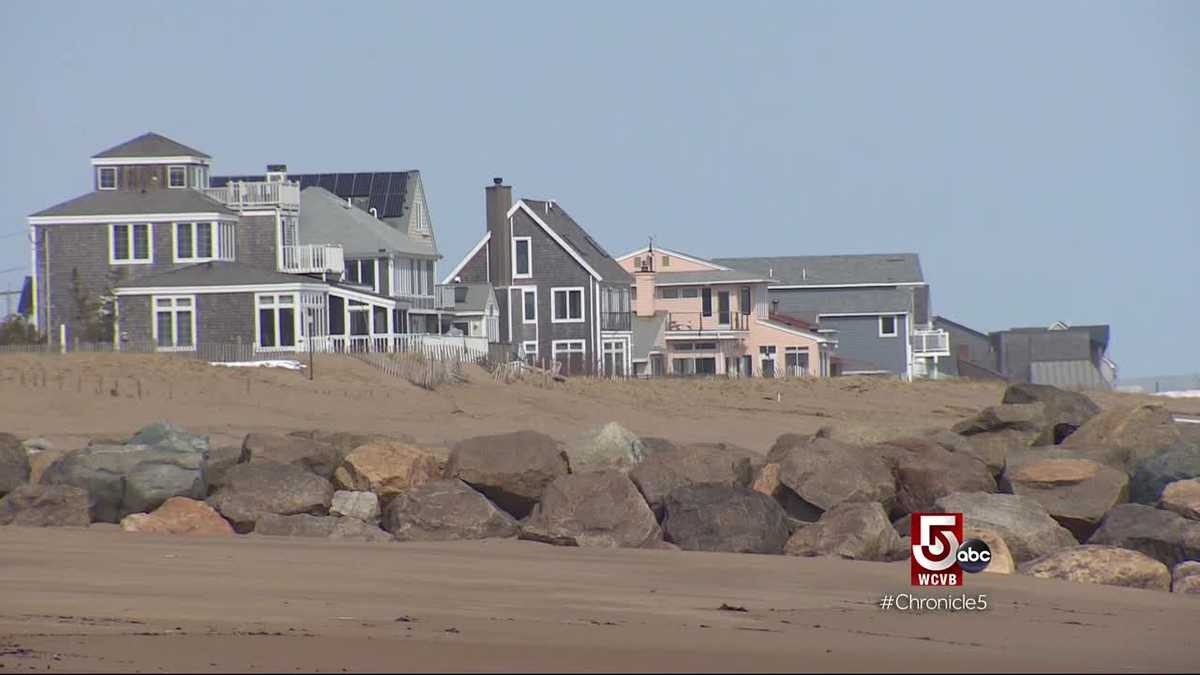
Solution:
(460, 294)
(666, 260)
(670, 293)
(522, 265)
(175, 323)
(380, 319)
(107, 177)
(637, 262)
(633, 293)
(706, 302)
(690, 292)
(795, 361)
(887, 326)
(569, 353)
(767, 357)
(422, 217)
(529, 351)
(362, 272)
(568, 305)
(276, 321)
(745, 301)
(198, 242)
(614, 358)
(130, 244)
(176, 177)
(529, 306)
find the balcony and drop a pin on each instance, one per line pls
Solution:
(926, 343)
(442, 299)
(239, 195)
(615, 321)
(312, 259)
(718, 322)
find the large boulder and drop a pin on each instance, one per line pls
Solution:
(320, 527)
(387, 468)
(1025, 417)
(315, 456)
(713, 517)
(42, 460)
(1182, 497)
(993, 455)
(169, 438)
(1151, 475)
(851, 530)
(924, 471)
(179, 515)
(14, 463)
(1075, 492)
(344, 442)
(610, 446)
(444, 510)
(1163, 535)
(45, 506)
(825, 473)
(254, 490)
(663, 472)
(596, 508)
(510, 469)
(1022, 522)
(1002, 560)
(125, 479)
(1185, 577)
(766, 480)
(217, 463)
(361, 505)
(1126, 435)
(1064, 411)
(1108, 565)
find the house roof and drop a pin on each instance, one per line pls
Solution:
(476, 298)
(943, 320)
(325, 219)
(672, 252)
(388, 192)
(806, 304)
(121, 202)
(583, 244)
(1071, 373)
(1097, 333)
(834, 270)
(727, 276)
(217, 273)
(150, 144)
(647, 335)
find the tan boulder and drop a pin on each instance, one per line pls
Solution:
(179, 515)
(1075, 492)
(1182, 497)
(387, 468)
(1124, 436)
(1002, 560)
(1185, 577)
(1107, 565)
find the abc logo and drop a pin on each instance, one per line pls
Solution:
(974, 555)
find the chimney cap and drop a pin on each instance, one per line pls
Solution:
(497, 181)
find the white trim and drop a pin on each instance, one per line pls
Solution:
(216, 241)
(122, 161)
(710, 283)
(182, 168)
(100, 182)
(677, 254)
(853, 314)
(527, 289)
(131, 260)
(554, 345)
(174, 311)
(554, 304)
(895, 326)
(470, 254)
(553, 235)
(122, 218)
(883, 284)
(33, 284)
(525, 344)
(275, 305)
(529, 254)
(244, 288)
(791, 331)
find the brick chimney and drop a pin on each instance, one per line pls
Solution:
(497, 201)
(644, 278)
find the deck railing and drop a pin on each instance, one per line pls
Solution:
(934, 342)
(615, 321)
(442, 347)
(313, 259)
(241, 195)
(442, 298)
(717, 322)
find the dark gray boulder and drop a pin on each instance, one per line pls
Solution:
(445, 510)
(510, 469)
(14, 463)
(168, 437)
(217, 463)
(662, 472)
(596, 509)
(1064, 411)
(319, 458)
(45, 506)
(1021, 521)
(825, 473)
(729, 518)
(1179, 461)
(125, 479)
(1124, 436)
(1026, 417)
(851, 530)
(1163, 535)
(252, 491)
(924, 471)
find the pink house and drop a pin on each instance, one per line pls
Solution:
(695, 317)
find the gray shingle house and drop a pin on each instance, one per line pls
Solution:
(875, 306)
(161, 256)
(561, 296)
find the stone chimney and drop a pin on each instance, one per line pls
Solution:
(644, 278)
(497, 201)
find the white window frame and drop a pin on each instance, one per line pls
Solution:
(525, 319)
(527, 352)
(554, 318)
(174, 309)
(567, 347)
(272, 301)
(129, 233)
(895, 325)
(529, 250)
(224, 242)
(182, 168)
(100, 177)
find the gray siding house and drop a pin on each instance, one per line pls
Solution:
(875, 306)
(561, 297)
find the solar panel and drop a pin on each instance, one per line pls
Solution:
(399, 180)
(379, 203)
(395, 207)
(379, 183)
(362, 184)
(328, 181)
(345, 185)
(308, 180)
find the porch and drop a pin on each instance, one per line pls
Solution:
(700, 324)
(312, 259)
(242, 195)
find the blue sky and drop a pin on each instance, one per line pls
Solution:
(1043, 158)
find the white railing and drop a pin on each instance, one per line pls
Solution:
(440, 347)
(931, 343)
(312, 259)
(241, 195)
(442, 298)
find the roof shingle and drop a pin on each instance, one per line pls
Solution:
(150, 144)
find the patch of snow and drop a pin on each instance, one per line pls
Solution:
(270, 363)
(1187, 393)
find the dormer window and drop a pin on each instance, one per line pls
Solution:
(107, 179)
(177, 177)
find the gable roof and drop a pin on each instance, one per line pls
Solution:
(1098, 333)
(578, 242)
(672, 252)
(943, 320)
(216, 273)
(129, 202)
(449, 278)
(834, 270)
(390, 193)
(476, 300)
(150, 144)
(325, 219)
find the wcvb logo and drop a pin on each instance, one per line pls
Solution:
(939, 554)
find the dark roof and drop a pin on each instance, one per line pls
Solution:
(120, 202)
(150, 145)
(25, 303)
(1097, 333)
(822, 270)
(706, 277)
(565, 226)
(474, 297)
(807, 303)
(215, 274)
(388, 192)
(943, 320)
